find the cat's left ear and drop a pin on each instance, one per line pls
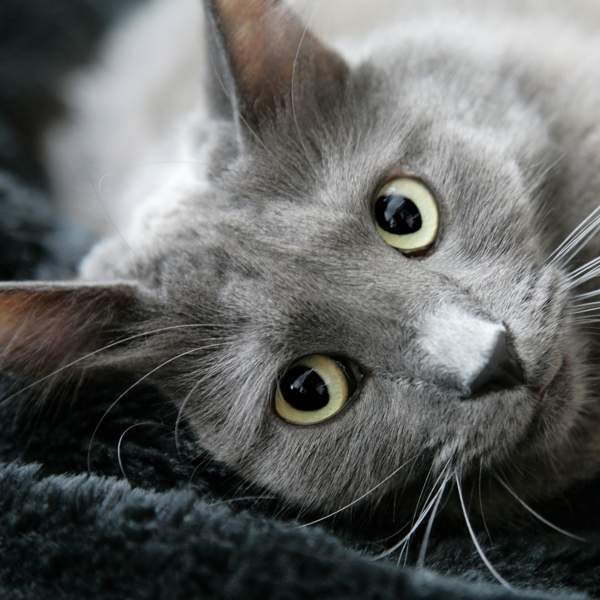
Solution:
(44, 326)
(266, 54)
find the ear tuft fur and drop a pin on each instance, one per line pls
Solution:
(45, 326)
(269, 54)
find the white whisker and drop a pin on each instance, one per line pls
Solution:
(586, 309)
(418, 503)
(576, 240)
(120, 442)
(587, 295)
(536, 514)
(584, 278)
(585, 273)
(293, 95)
(131, 387)
(586, 304)
(427, 535)
(98, 195)
(180, 412)
(104, 349)
(428, 508)
(242, 499)
(403, 555)
(590, 323)
(361, 497)
(478, 547)
(485, 525)
(216, 72)
(588, 266)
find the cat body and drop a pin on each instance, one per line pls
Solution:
(259, 247)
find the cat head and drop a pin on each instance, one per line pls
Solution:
(357, 286)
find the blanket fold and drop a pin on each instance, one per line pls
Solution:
(85, 536)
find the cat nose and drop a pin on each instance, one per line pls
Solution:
(471, 354)
(500, 368)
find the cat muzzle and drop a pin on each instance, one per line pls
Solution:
(470, 354)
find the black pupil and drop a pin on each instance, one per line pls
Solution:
(303, 389)
(397, 214)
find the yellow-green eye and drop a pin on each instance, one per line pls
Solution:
(313, 390)
(406, 215)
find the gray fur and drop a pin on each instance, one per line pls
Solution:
(270, 240)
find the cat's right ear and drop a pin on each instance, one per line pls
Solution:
(262, 55)
(47, 327)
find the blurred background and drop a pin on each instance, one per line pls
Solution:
(40, 44)
(92, 92)
(119, 142)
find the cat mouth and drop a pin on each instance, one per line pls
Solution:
(543, 396)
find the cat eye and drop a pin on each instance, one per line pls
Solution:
(406, 215)
(314, 389)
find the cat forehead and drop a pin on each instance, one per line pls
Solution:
(339, 164)
(330, 204)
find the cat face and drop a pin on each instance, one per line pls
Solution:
(285, 247)
(317, 348)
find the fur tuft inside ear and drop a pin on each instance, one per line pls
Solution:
(269, 55)
(44, 327)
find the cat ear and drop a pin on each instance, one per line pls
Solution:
(44, 327)
(261, 46)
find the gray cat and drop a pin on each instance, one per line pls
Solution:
(359, 288)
